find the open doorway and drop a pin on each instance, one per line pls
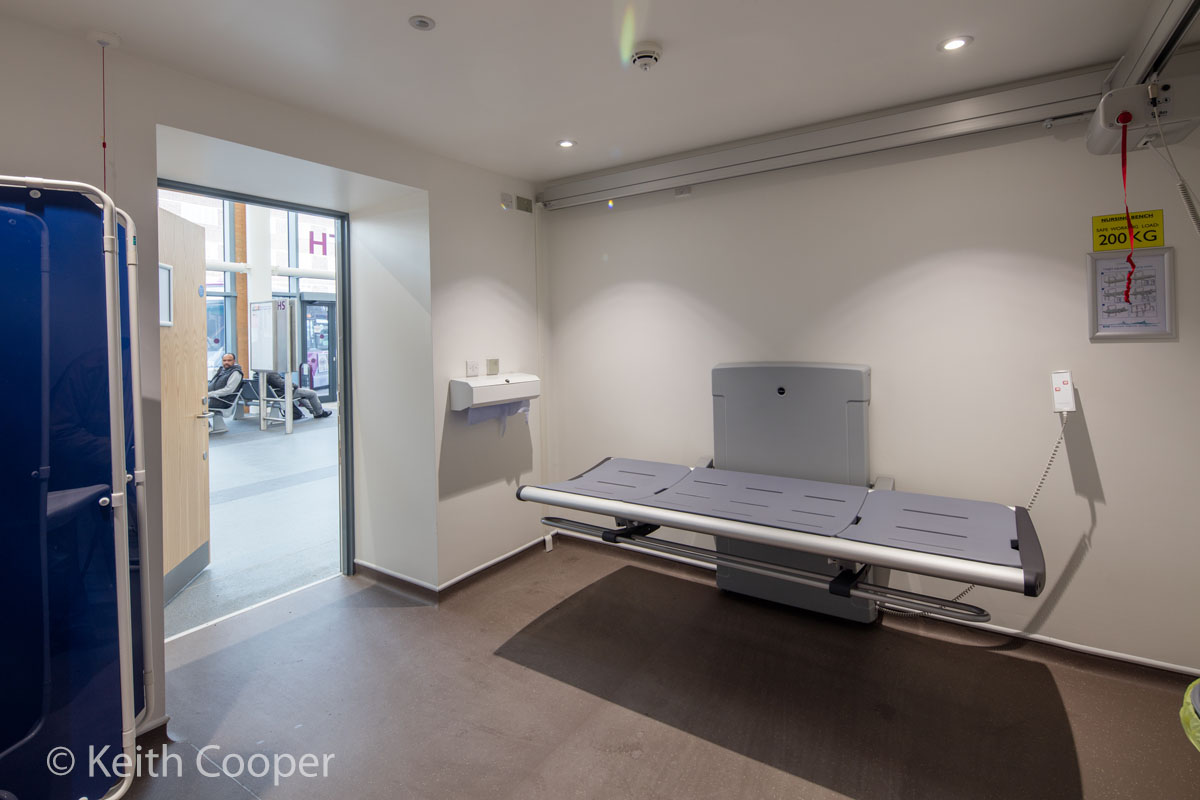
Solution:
(275, 499)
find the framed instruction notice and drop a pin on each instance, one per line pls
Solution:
(1150, 312)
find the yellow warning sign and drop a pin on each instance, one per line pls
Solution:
(1111, 232)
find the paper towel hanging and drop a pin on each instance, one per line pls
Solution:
(500, 411)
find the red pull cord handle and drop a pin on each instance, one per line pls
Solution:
(1124, 118)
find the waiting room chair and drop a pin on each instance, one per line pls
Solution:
(274, 400)
(216, 422)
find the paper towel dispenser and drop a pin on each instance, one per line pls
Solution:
(491, 390)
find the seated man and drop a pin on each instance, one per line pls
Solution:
(306, 396)
(224, 386)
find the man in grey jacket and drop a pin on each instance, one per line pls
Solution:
(224, 387)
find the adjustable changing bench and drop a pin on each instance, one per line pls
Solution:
(787, 500)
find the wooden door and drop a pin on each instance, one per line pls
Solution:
(183, 351)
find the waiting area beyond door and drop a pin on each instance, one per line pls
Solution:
(274, 517)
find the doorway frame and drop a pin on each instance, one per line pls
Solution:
(344, 367)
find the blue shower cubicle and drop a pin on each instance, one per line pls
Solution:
(69, 585)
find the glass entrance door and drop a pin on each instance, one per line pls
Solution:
(320, 346)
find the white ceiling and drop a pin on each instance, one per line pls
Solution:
(498, 82)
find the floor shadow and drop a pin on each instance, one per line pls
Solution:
(814, 696)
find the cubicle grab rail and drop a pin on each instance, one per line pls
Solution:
(1027, 580)
(151, 714)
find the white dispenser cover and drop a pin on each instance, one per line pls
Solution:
(490, 390)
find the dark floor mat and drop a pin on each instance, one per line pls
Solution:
(867, 711)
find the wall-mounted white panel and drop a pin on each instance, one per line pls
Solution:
(490, 390)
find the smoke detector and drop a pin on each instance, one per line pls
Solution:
(646, 55)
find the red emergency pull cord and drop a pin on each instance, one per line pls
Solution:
(103, 120)
(1124, 119)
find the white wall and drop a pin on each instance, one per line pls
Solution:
(486, 308)
(955, 271)
(395, 484)
(51, 129)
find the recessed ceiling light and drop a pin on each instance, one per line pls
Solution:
(422, 22)
(565, 143)
(955, 43)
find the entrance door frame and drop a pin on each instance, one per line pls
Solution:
(342, 332)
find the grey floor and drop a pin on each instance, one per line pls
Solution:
(590, 672)
(273, 518)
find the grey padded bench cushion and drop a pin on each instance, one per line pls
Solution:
(623, 479)
(968, 529)
(944, 525)
(789, 503)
